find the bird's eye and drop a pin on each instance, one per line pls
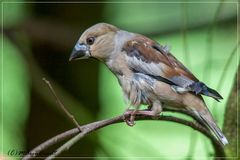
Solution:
(90, 40)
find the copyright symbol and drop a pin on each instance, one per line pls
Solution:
(12, 152)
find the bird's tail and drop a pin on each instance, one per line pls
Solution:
(207, 120)
(212, 93)
(201, 88)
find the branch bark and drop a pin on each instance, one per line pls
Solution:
(88, 128)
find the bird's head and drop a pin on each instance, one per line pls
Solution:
(97, 42)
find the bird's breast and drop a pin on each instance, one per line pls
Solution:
(137, 88)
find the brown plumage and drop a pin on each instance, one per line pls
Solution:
(150, 51)
(147, 72)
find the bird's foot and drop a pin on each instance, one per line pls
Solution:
(129, 115)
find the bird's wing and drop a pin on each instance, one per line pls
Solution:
(146, 56)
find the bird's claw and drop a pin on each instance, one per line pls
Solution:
(129, 117)
(130, 122)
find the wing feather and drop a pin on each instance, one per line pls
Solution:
(147, 56)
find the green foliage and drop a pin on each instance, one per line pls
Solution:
(13, 13)
(15, 98)
(15, 89)
(151, 18)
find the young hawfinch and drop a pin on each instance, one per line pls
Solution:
(147, 73)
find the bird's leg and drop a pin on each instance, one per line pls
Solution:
(129, 115)
(133, 115)
(156, 107)
(126, 114)
(153, 110)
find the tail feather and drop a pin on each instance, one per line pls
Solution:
(209, 122)
(213, 93)
(201, 88)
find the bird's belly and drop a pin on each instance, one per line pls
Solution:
(137, 90)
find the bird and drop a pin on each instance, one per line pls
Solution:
(147, 73)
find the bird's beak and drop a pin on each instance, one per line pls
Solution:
(80, 51)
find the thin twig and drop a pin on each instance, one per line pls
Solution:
(71, 117)
(100, 124)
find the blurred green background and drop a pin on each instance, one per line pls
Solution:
(37, 39)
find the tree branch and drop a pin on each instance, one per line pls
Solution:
(88, 128)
